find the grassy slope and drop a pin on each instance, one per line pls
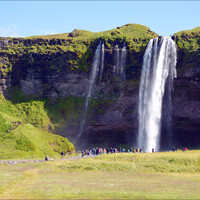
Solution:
(194, 30)
(24, 131)
(26, 124)
(128, 31)
(189, 39)
(173, 175)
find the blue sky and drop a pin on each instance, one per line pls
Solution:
(26, 18)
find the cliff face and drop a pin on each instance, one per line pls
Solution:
(53, 66)
(186, 98)
(59, 66)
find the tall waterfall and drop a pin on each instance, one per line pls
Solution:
(158, 72)
(95, 68)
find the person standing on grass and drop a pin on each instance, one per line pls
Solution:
(185, 149)
(97, 151)
(153, 150)
(107, 150)
(62, 154)
(82, 153)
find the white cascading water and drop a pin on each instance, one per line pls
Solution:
(123, 61)
(119, 61)
(102, 60)
(159, 65)
(116, 60)
(95, 66)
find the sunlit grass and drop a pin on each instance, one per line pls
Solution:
(116, 176)
(24, 130)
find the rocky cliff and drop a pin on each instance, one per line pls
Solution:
(186, 97)
(58, 68)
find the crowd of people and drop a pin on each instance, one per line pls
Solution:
(97, 151)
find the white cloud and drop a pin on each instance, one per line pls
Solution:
(13, 31)
(9, 31)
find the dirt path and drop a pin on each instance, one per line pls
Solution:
(14, 162)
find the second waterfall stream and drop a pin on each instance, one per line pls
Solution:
(93, 74)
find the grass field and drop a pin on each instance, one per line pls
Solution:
(170, 175)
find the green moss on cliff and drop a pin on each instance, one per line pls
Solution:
(81, 43)
(27, 124)
(188, 43)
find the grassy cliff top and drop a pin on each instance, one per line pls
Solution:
(79, 45)
(128, 30)
(189, 39)
(189, 32)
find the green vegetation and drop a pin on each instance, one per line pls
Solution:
(129, 30)
(173, 175)
(189, 47)
(189, 39)
(73, 50)
(27, 124)
(61, 54)
(24, 130)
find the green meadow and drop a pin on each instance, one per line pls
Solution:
(166, 175)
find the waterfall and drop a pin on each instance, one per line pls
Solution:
(158, 72)
(119, 61)
(102, 61)
(116, 60)
(123, 61)
(95, 66)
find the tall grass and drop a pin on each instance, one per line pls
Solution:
(179, 162)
